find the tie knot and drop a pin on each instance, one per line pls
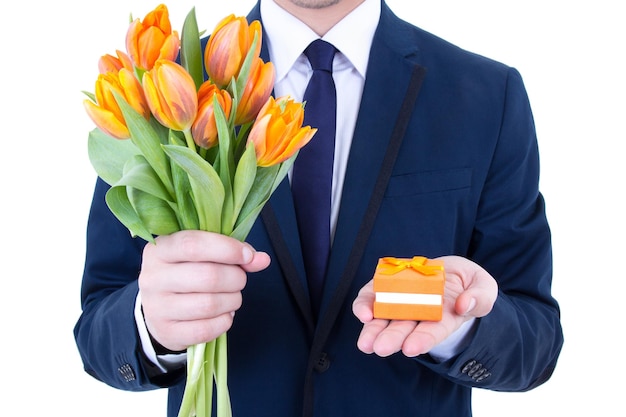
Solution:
(320, 54)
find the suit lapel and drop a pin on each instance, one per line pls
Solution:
(279, 218)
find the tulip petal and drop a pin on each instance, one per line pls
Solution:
(152, 39)
(106, 121)
(256, 91)
(171, 95)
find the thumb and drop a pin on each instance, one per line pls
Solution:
(254, 261)
(478, 299)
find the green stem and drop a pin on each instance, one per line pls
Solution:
(221, 377)
(195, 365)
(241, 139)
(205, 403)
(190, 142)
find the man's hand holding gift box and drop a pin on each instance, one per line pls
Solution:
(413, 312)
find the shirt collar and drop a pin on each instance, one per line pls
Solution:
(352, 36)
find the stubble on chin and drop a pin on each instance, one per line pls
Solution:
(314, 4)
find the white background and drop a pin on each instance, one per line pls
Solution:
(571, 55)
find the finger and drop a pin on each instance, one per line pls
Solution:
(194, 307)
(480, 296)
(369, 333)
(181, 335)
(179, 320)
(362, 304)
(426, 335)
(393, 337)
(384, 337)
(194, 277)
(199, 246)
(479, 289)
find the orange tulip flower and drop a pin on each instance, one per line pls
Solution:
(228, 46)
(105, 112)
(204, 128)
(151, 39)
(278, 133)
(256, 92)
(171, 95)
(110, 63)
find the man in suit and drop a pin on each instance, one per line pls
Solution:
(435, 155)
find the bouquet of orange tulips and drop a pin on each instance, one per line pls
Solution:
(192, 139)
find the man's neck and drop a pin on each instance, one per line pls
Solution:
(320, 19)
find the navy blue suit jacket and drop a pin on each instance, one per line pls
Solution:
(444, 161)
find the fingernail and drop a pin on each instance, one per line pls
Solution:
(471, 306)
(247, 254)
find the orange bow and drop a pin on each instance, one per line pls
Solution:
(390, 266)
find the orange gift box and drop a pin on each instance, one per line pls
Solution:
(409, 289)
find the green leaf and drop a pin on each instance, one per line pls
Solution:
(226, 161)
(191, 50)
(148, 140)
(206, 186)
(187, 214)
(109, 155)
(242, 139)
(265, 183)
(245, 223)
(258, 196)
(261, 189)
(91, 96)
(120, 206)
(139, 174)
(283, 171)
(162, 132)
(244, 71)
(156, 214)
(244, 178)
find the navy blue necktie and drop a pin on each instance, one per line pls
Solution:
(311, 181)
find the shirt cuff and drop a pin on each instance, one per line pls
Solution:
(455, 343)
(165, 363)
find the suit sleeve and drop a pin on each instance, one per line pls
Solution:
(516, 346)
(105, 333)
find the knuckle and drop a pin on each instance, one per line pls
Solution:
(188, 244)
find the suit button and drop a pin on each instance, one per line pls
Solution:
(127, 372)
(468, 365)
(483, 376)
(323, 363)
(475, 370)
